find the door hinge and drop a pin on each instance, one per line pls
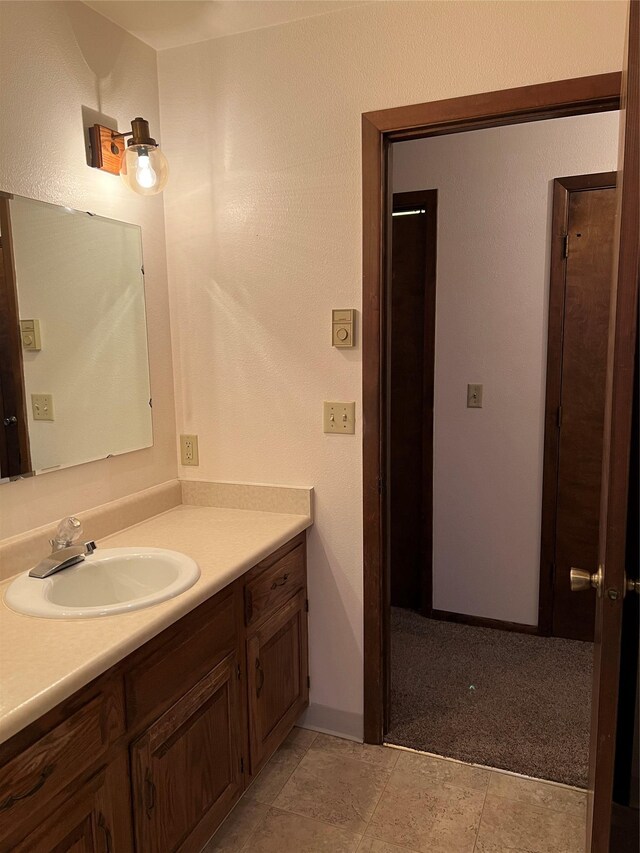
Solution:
(565, 245)
(380, 485)
(306, 605)
(308, 681)
(238, 672)
(559, 416)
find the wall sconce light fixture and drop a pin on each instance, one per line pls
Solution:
(141, 164)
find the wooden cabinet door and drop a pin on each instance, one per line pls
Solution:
(277, 677)
(186, 766)
(95, 819)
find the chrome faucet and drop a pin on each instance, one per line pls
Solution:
(63, 552)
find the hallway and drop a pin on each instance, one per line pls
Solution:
(514, 701)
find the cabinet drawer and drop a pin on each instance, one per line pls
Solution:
(274, 585)
(187, 651)
(96, 818)
(59, 757)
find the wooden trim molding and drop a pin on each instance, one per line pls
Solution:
(379, 129)
(623, 336)
(598, 93)
(16, 448)
(483, 622)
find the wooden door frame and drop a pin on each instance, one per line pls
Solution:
(562, 189)
(427, 199)
(623, 330)
(12, 393)
(379, 130)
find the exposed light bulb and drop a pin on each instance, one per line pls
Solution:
(144, 168)
(145, 174)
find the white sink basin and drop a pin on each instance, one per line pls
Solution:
(111, 580)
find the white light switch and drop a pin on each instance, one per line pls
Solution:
(340, 418)
(42, 407)
(474, 396)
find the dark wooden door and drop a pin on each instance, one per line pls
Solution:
(186, 767)
(14, 439)
(411, 376)
(584, 213)
(277, 677)
(612, 584)
(95, 819)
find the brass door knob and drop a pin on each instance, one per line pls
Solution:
(581, 580)
(633, 585)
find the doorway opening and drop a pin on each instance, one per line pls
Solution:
(583, 216)
(445, 121)
(468, 327)
(411, 373)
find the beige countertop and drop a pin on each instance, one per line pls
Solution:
(43, 661)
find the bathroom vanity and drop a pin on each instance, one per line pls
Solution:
(152, 754)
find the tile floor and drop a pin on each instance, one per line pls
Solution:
(321, 793)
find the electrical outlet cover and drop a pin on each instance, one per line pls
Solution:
(189, 450)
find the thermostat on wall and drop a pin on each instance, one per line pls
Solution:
(30, 334)
(342, 327)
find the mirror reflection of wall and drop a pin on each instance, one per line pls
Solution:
(83, 341)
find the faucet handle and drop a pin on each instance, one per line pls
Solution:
(67, 532)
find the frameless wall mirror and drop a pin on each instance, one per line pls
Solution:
(74, 370)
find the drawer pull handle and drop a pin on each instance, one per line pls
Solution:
(46, 772)
(107, 833)
(260, 681)
(150, 795)
(281, 582)
(248, 606)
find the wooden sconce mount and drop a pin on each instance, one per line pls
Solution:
(107, 148)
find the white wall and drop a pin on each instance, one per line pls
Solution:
(263, 218)
(56, 58)
(494, 224)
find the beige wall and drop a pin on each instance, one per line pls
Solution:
(264, 239)
(494, 225)
(56, 58)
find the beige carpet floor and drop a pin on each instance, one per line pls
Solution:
(507, 700)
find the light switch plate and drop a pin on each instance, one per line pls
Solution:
(189, 450)
(339, 418)
(42, 407)
(474, 396)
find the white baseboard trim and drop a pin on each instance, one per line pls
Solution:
(333, 721)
